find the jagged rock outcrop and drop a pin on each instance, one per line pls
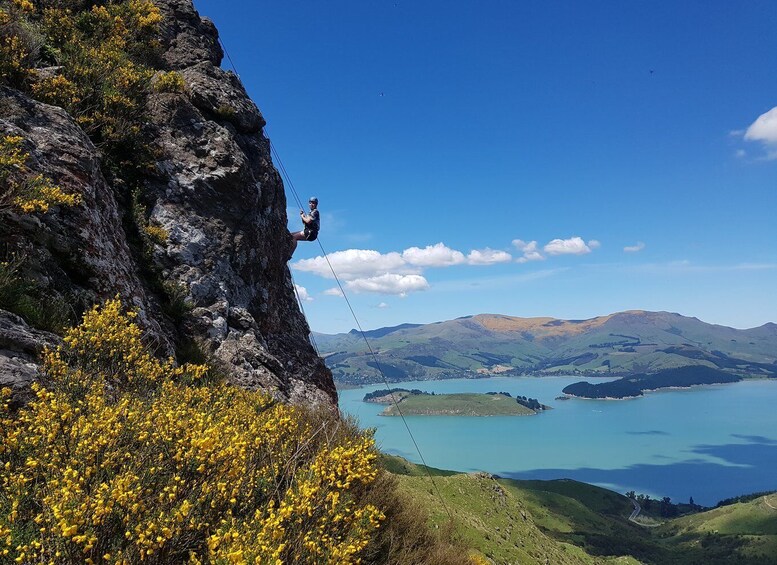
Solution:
(79, 252)
(74, 256)
(215, 193)
(187, 38)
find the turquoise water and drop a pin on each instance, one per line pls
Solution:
(708, 442)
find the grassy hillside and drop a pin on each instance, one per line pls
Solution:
(464, 404)
(620, 344)
(565, 521)
(491, 517)
(749, 528)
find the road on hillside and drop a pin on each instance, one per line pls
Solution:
(636, 511)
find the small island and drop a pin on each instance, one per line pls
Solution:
(419, 403)
(631, 387)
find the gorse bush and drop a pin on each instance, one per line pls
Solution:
(20, 188)
(99, 59)
(157, 234)
(105, 52)
(169, 82)
(123, 458)
(18, 49)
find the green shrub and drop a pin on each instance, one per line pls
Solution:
(225, 112)
(169, 82)
(20, 188)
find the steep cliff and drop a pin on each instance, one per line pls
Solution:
(217, 280)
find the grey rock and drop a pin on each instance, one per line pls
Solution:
(220, 94)
(79, 253)
(17, 336)
(186, 37)
(222, 203)
(20, 350)
(218, 196)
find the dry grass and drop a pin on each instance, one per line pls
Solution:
(540, 327)
(405, 537)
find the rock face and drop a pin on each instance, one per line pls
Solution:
(215, 193)
(80, 252)
(20, 349)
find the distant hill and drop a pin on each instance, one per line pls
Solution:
(621, 344)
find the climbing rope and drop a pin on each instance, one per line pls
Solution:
(364, 335)
(290, 184)
(302, 308)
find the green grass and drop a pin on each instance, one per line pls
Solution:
(465, 404)
(492, 520)
(595, 498)
(565, 521)
(401, 466)
(495, 517)
(754, 517)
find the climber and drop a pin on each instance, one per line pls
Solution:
(312, 223)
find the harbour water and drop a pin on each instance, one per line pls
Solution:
(708, 443)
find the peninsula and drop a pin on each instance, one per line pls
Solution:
(630, 387)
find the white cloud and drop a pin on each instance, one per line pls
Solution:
(333, 292)
(382, 305)
(764, 130)
(366, 270)
(437, 255)
(522, 245)
(303, 293)
(740, 153)
(634, 248)
(572, 246)
(488, 256)
(355, 263)
(529, 250)
(594, 244)
(389, 283)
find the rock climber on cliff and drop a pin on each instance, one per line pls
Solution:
(312, 224)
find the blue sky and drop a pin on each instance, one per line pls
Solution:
(567, 159)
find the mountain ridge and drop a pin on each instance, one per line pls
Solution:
(487, 315)
(618, 344)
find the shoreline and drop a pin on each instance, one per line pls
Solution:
(346, 386)
(486, 442)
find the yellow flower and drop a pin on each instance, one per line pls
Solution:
(127, 451)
